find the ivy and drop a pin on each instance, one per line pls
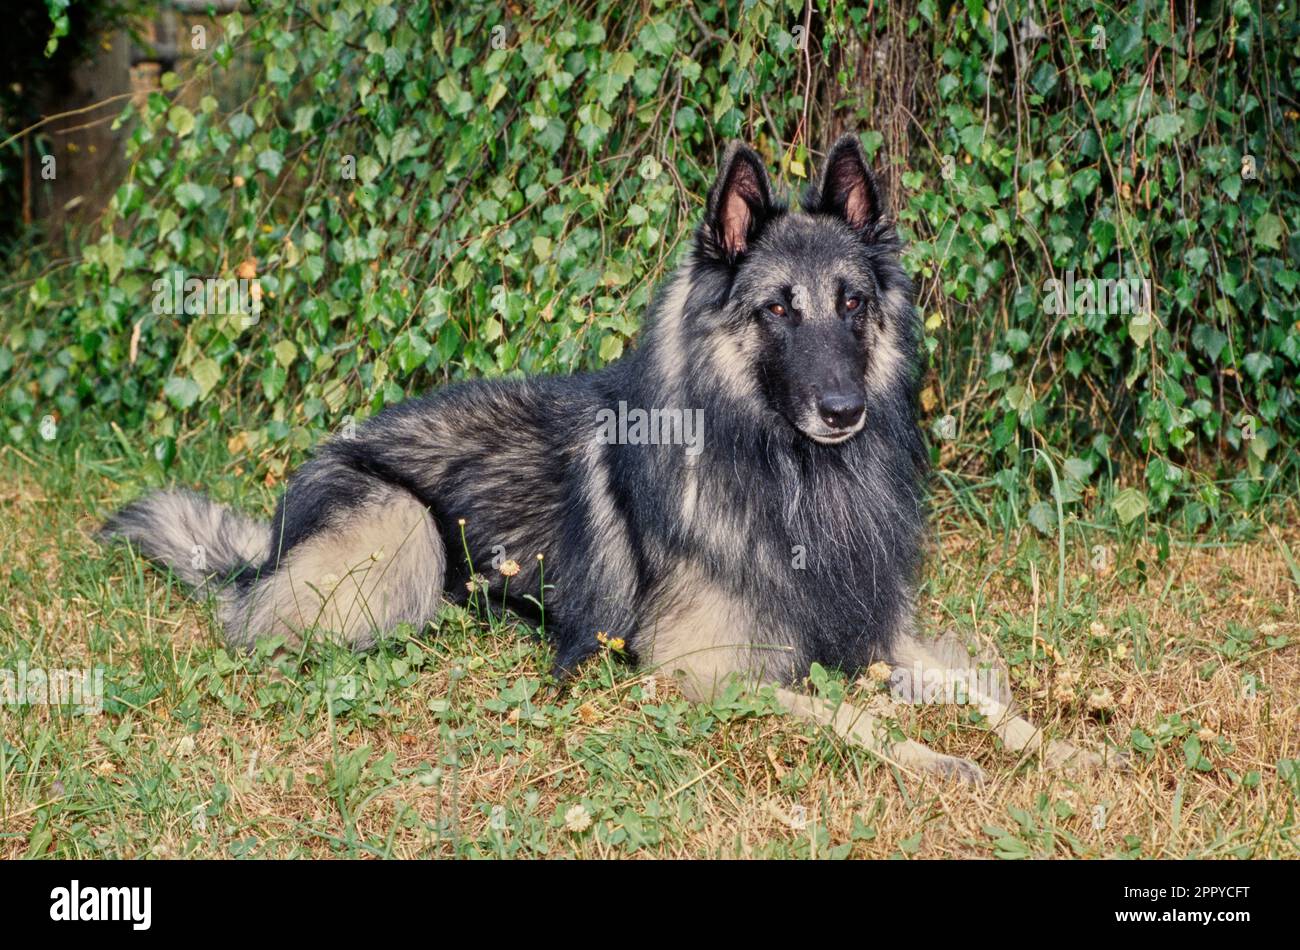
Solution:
(425, 191)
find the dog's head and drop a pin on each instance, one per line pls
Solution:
(820, 291)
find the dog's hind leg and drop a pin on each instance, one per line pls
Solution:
(352, 578)
(946, 662)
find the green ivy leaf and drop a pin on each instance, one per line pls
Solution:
(189, 195)
(270, 161)
(1268, 232)
(1164, 128)
(285, 353)
(1139, 329)
(1129, 504)
(182, 392)
(611, 347)
(206, 373)
(180, 120)
(240, 125)
(1043, 517)
(1257, 364)
(657, 38)
(1085, 182)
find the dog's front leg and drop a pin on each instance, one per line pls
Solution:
(924, 666)
(700, 683)
(859, 727)
(699, 640)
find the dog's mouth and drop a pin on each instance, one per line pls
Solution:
(818, 431)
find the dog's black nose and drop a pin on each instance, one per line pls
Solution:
(841, 410)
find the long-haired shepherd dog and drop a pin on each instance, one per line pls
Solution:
(739, 497)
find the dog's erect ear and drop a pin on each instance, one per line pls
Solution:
(848, 188)
(740, 202)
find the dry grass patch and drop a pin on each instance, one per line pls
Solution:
(459, 744)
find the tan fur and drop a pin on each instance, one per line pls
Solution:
(606, 523)
(731, 358)
(690, 490)
(885, 360)
(702, 640)
(671, 347)
(352, 583)
(701, 637)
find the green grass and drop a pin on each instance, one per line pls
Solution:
(458, 744)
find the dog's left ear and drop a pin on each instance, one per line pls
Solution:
(848, 189)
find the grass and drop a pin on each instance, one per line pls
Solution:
(459, 745)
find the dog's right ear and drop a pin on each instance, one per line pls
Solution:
(740, 204)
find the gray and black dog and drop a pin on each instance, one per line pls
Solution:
(740, 497)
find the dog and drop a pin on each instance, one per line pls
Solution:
(738, 498)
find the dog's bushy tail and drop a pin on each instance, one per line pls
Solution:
(200, 540)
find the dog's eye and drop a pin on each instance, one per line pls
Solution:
(776, 309)
(851, 304)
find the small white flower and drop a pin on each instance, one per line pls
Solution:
(880, 672)
(576, 819)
